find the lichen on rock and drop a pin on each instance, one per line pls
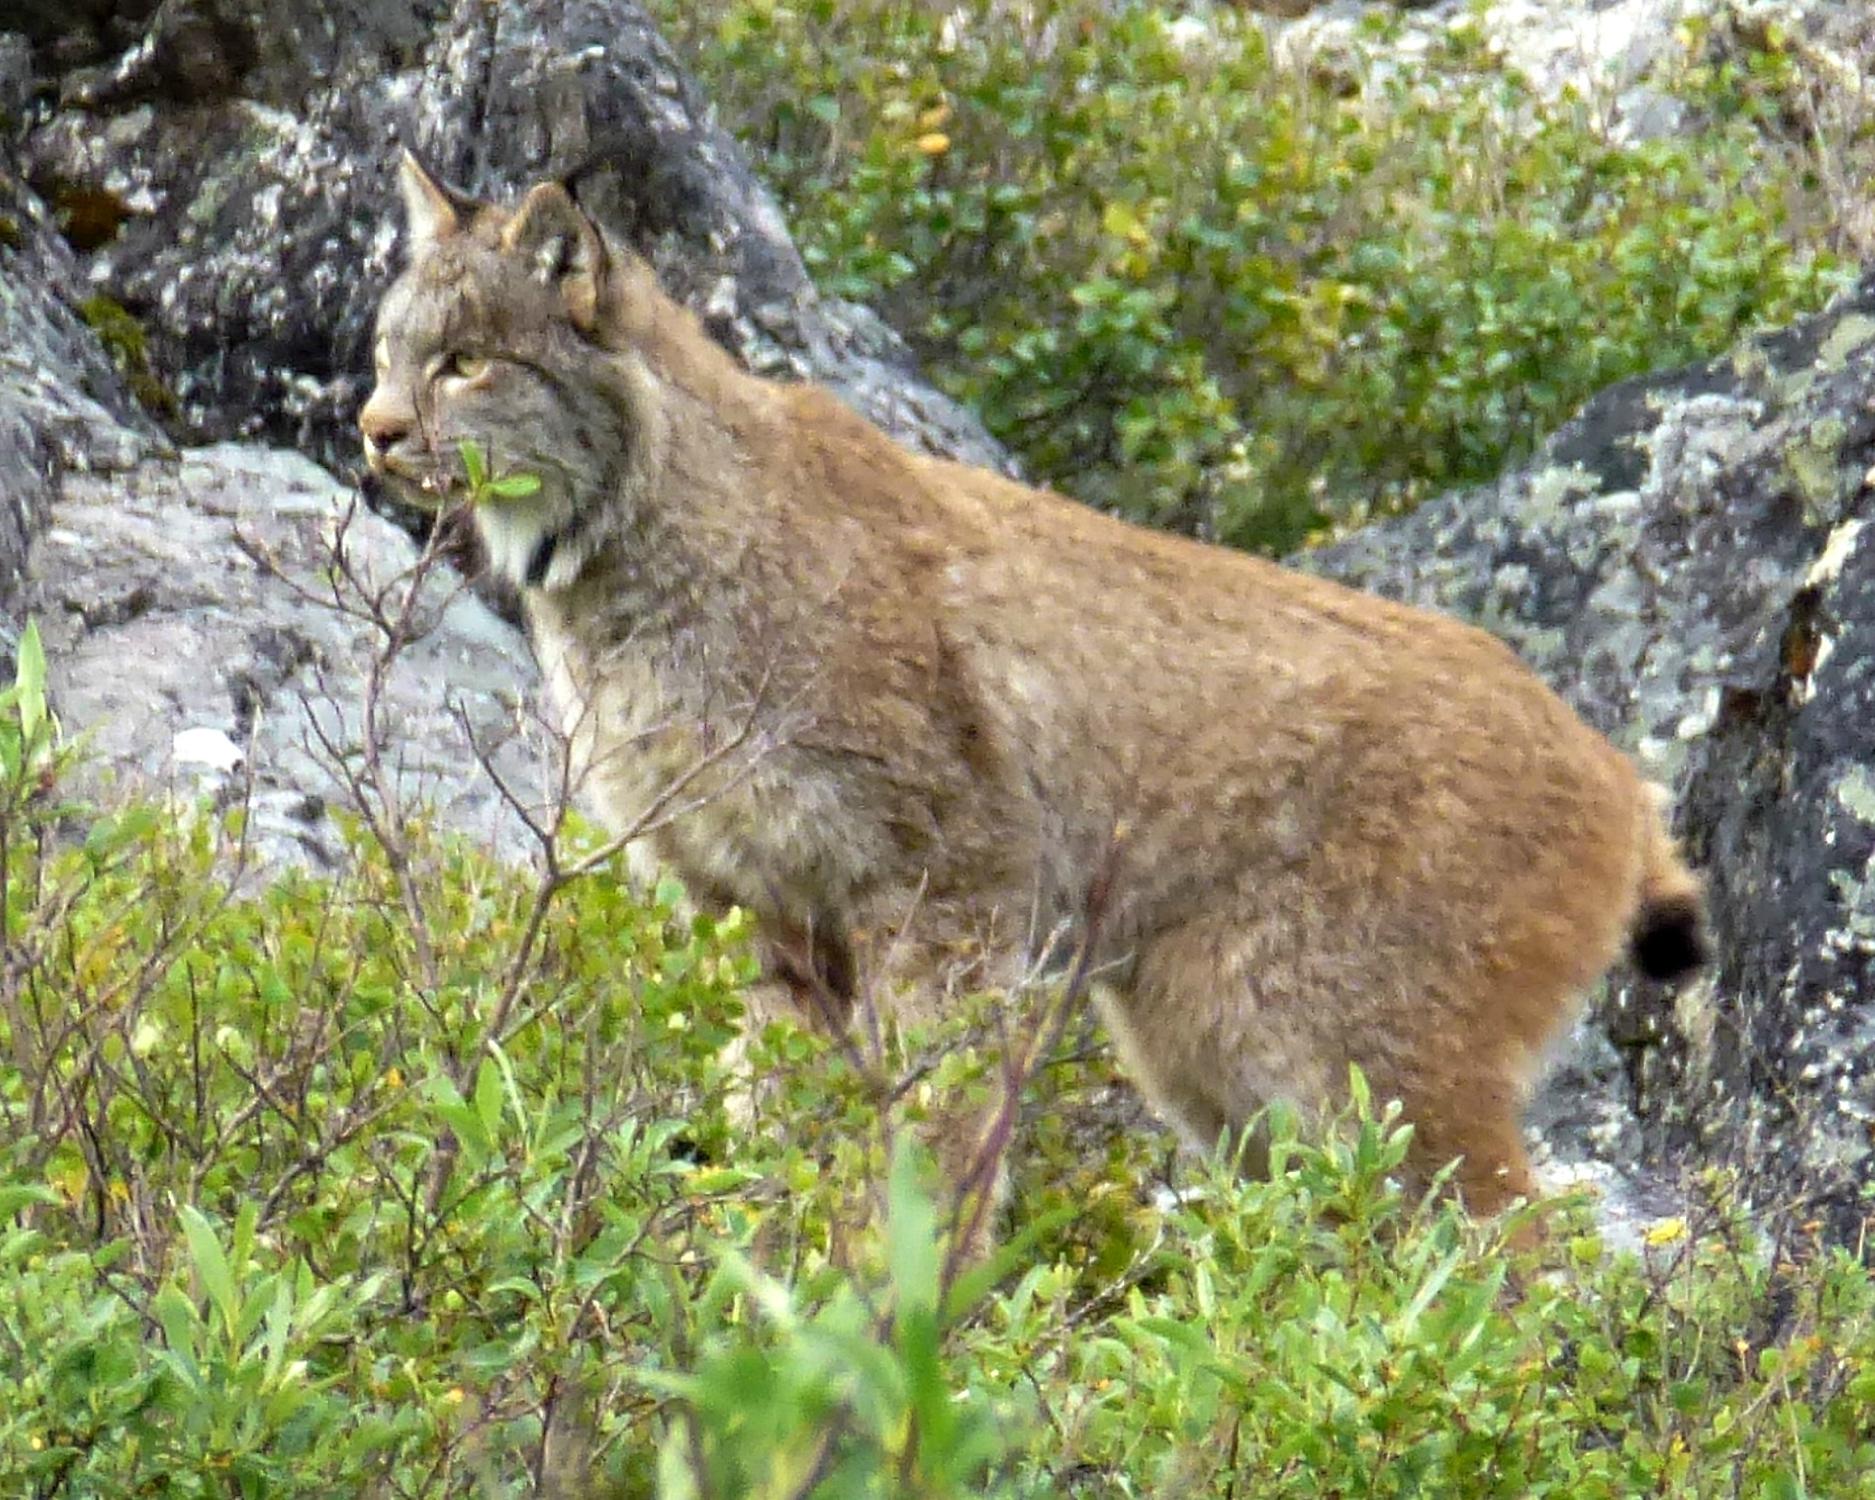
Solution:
(258, 206)
(1688, 562)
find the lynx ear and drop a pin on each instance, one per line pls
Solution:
(431, 211)
(564, 248)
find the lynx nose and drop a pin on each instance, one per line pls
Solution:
(384, 426)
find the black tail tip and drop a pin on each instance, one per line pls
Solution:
(1670, 939)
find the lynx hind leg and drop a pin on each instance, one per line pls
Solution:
(1207, 1049)
(1479, 1120)
(1217, 1026)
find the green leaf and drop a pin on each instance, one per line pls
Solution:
(517, 486)
(30, 678)
(911, 1233)
(182, 1327)
(465, 1123)
(712, 1181)
(1408, 1320)
(16, 1196)
(488, 1097)
(676, 1479)
(211, 1264)
(511, 1085)
(474, 464)
(278, 1337)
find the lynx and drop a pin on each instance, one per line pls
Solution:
(927, 722)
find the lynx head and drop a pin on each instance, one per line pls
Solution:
(512, 329)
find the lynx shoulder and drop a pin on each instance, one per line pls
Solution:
(874, 692)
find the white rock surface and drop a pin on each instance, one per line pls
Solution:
(191, 666)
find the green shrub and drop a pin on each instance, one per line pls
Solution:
(406, 1182)
(1195, 286)
(308, 1191)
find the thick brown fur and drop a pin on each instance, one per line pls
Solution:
(933, 705)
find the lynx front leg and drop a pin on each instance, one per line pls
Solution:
(814, 964)
(1480, 1123)
(807, 979)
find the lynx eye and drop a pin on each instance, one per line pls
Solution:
(464, 367)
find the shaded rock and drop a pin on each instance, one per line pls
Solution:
(252, 145)
(63, 407)
(197, 640)
(1688, 562)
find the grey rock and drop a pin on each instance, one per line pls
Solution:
(1626, 60)
(16, 77)
(252, 144)
(1688, 561)
(63, 407)
(199, 644)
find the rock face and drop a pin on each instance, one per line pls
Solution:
(1623, 58)
(228, 166)
(1689, 561)
(62, 407)
(184, 601)
(202, 638)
